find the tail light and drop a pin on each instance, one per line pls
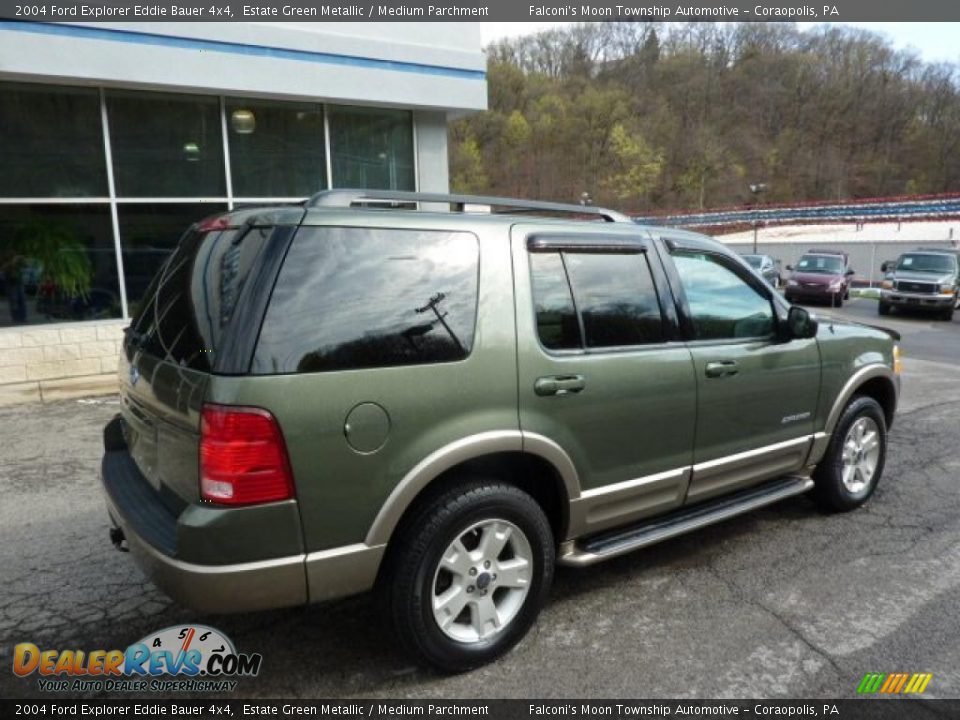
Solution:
(243, 458)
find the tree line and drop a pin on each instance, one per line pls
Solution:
(646, 116)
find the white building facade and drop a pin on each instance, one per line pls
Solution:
(115, 137)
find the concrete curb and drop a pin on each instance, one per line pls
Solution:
(44, 391)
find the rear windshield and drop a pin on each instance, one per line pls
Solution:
(350, 298)
(193, 297)
(753, 260)
(927, 263)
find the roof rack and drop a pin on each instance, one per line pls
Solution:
(457, 203)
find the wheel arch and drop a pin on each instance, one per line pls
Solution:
(533, 463)
(876, 381)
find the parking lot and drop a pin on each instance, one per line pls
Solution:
(785, 602)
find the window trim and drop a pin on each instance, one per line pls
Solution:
(683, 304)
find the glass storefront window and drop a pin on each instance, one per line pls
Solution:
(57, 263)
(57, 245)
(148, 234)
(51, 142)
(276, 148)
(372, 148)
(166, 145)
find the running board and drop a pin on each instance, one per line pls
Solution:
(605, 545)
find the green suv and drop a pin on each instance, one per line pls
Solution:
(360, 393)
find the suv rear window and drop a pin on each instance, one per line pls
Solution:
(193, 297)
(349, 298)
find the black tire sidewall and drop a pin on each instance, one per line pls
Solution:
(414, 598)
(830, 491)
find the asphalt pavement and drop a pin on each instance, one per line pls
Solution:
(925, 336)
(785, 602)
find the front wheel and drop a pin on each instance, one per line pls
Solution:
(469, 574)
(850, 469)
(883, 308)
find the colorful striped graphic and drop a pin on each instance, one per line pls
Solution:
(894, 683)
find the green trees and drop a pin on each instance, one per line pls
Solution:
(647, 115)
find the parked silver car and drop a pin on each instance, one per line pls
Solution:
(766, 267)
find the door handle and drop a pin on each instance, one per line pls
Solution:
(721, 368)
(559, 385)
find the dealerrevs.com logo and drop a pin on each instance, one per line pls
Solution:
(191, 658)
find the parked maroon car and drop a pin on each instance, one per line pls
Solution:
(820, 276)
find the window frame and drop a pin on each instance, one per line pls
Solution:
(728, 261)
(602, 244)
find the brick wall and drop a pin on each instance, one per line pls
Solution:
(46, 362)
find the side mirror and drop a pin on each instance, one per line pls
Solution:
(884, 266)
(801, 324)
(790, 268)
(850, 272)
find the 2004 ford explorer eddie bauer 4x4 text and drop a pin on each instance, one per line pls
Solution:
(350, 394)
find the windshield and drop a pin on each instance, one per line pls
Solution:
(754, 260)
(823, 264)
(927, 263)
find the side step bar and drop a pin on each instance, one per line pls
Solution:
(605, 545)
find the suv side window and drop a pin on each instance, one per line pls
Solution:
(349, 298)
(613, 301)
(722, 304)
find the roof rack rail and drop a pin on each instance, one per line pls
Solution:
(457, 203)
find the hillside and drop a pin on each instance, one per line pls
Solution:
(648, 116)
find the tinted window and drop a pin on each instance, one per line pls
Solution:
(613, 294)
(166, 145)
(52, 142)
(372, 148)
(722, 305)
(557, 322)
(276, 148)
(359, 298)
(823, 264)
(57, 263)
(616, 299)
(755, 261)
(193, 297)
(149, 232)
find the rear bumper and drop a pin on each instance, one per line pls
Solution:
(162, 544)
(917, 300)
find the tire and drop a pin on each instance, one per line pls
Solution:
(417, 574)
(947, 314)
(832, 492)
(883, 308)
(836, 300)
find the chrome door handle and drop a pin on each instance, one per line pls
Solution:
(559, 385)
(721, 368)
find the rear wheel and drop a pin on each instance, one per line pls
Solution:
(853, 464)
(469, 574)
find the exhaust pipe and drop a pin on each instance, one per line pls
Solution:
(118, 539)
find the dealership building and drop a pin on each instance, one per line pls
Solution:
(115, 137)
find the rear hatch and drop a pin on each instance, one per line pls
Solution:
(196, 319)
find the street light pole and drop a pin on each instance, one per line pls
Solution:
(755, 190)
